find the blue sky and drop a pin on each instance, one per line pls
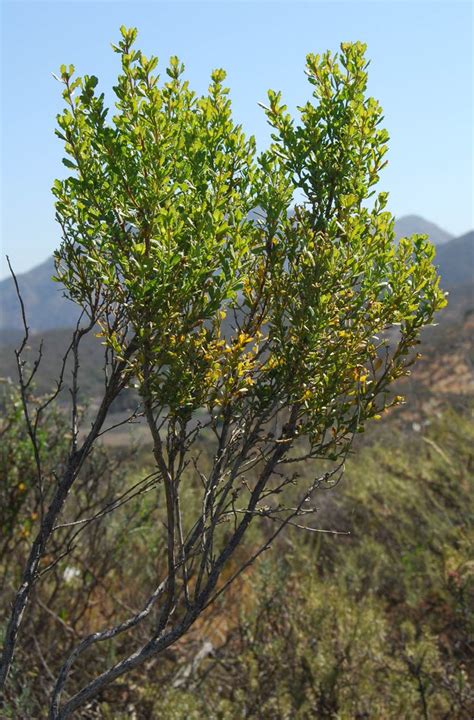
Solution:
(421, 71)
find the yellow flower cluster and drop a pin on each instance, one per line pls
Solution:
(360, 374)
(273, 362)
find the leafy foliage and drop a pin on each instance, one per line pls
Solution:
(156, 217)
(19, 501)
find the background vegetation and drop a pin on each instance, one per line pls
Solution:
(377, 623)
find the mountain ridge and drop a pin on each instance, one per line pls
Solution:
(47, 308)
(415, 224)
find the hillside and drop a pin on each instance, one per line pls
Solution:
(45, 304)
(444, 375)
(47, 309)
(456, 261)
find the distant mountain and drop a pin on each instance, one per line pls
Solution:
(47, 309)
(414, 224)
(55, 344)
(456, 261)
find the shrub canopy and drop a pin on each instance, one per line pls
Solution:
(248, 281)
